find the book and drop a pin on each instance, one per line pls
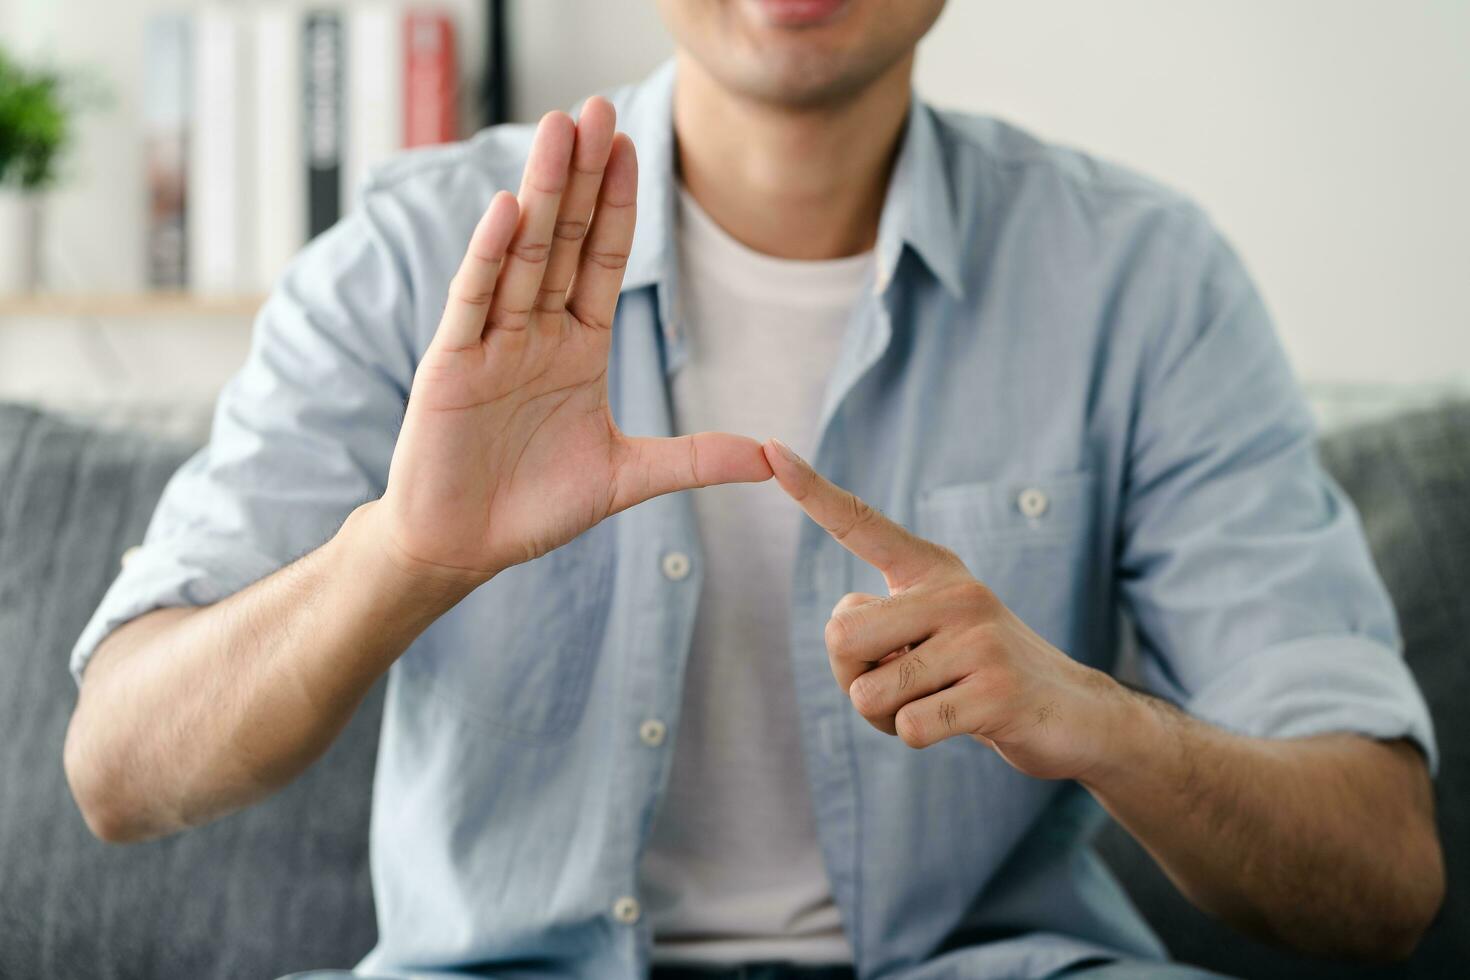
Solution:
(323, 69)
(263, 120)
(280, 215)
(166, 113)
(431, 86)
(220, 185)
(495, 84)
(375, 68)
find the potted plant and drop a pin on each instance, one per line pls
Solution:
(34, 127)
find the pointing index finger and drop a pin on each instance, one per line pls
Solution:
(903, 558)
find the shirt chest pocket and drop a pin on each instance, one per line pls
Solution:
(517, 656)
(1032, 541)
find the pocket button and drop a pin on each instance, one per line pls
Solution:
(675, 566)
(1032, 502)
(652, 732)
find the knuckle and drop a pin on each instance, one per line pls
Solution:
(850, 601)
(947, 556)
(551, 300)
(533, 252)
(969, 653)
(503, 319)
(609, 260)
(985, 640)
(841, 634)
(975, 595)
(592, 321)
(999, 682)
(486, 261)
(694, 460)
(866, 696)
(854, 512)
(570, 229)
(470, 291)
(910, 670)
(910, 727)
(862, 512)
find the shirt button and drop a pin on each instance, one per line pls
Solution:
(1033, 502)
(128, 555)
(675, 565)
(626, 910)
(652, 731)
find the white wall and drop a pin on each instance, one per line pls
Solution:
(1330, 139)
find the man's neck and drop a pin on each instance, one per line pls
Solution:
(793, 183)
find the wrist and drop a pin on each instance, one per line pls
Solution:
(408, 590)
(1131, 732)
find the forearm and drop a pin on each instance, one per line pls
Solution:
(1326, 844)
(188, 714)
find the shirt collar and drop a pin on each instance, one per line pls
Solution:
(919, 210)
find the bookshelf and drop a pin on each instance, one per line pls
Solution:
(260, 124)
(134, 306)
(239, 295)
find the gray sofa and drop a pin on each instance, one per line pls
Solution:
(284, 886)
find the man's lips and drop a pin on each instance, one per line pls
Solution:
(800, 13)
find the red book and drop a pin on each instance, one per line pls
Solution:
(430, 80)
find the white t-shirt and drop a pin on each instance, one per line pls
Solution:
(733, 872)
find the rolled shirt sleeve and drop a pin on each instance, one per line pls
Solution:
(1242, 563)
(301, 435)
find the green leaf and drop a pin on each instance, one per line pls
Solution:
(36, 109)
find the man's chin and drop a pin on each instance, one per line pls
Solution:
(799, 80)
(796, 54)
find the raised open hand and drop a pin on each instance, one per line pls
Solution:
(508, 448)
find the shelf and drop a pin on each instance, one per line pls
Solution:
(128, 305)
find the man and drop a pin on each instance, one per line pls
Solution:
(611, 736)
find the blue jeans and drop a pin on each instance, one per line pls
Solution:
(1138, 970)
(1112, 970)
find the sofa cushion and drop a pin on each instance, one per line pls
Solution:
(283, 886)
(1410, 477)
(279, 887)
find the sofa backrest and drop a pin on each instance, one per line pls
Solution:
(284, 885)
(279, 887)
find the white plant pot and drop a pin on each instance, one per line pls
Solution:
(20, 241)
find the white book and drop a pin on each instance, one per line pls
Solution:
(167, 109)
(375, 56)
(221, 192)
(280, 217)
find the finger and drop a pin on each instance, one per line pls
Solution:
(903, 558)
(589, 160)
(960, 709)
(656, 466)
(894, 653)
(859, 636)
(855, 599)
(594, 293)
(472, 287)
(879, 694)
(540, 198)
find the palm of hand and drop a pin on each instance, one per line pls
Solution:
(508, 447)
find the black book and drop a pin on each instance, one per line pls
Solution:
(322, 72)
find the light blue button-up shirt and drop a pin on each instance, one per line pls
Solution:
(1062, 373)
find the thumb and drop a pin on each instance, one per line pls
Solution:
(653, 466)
